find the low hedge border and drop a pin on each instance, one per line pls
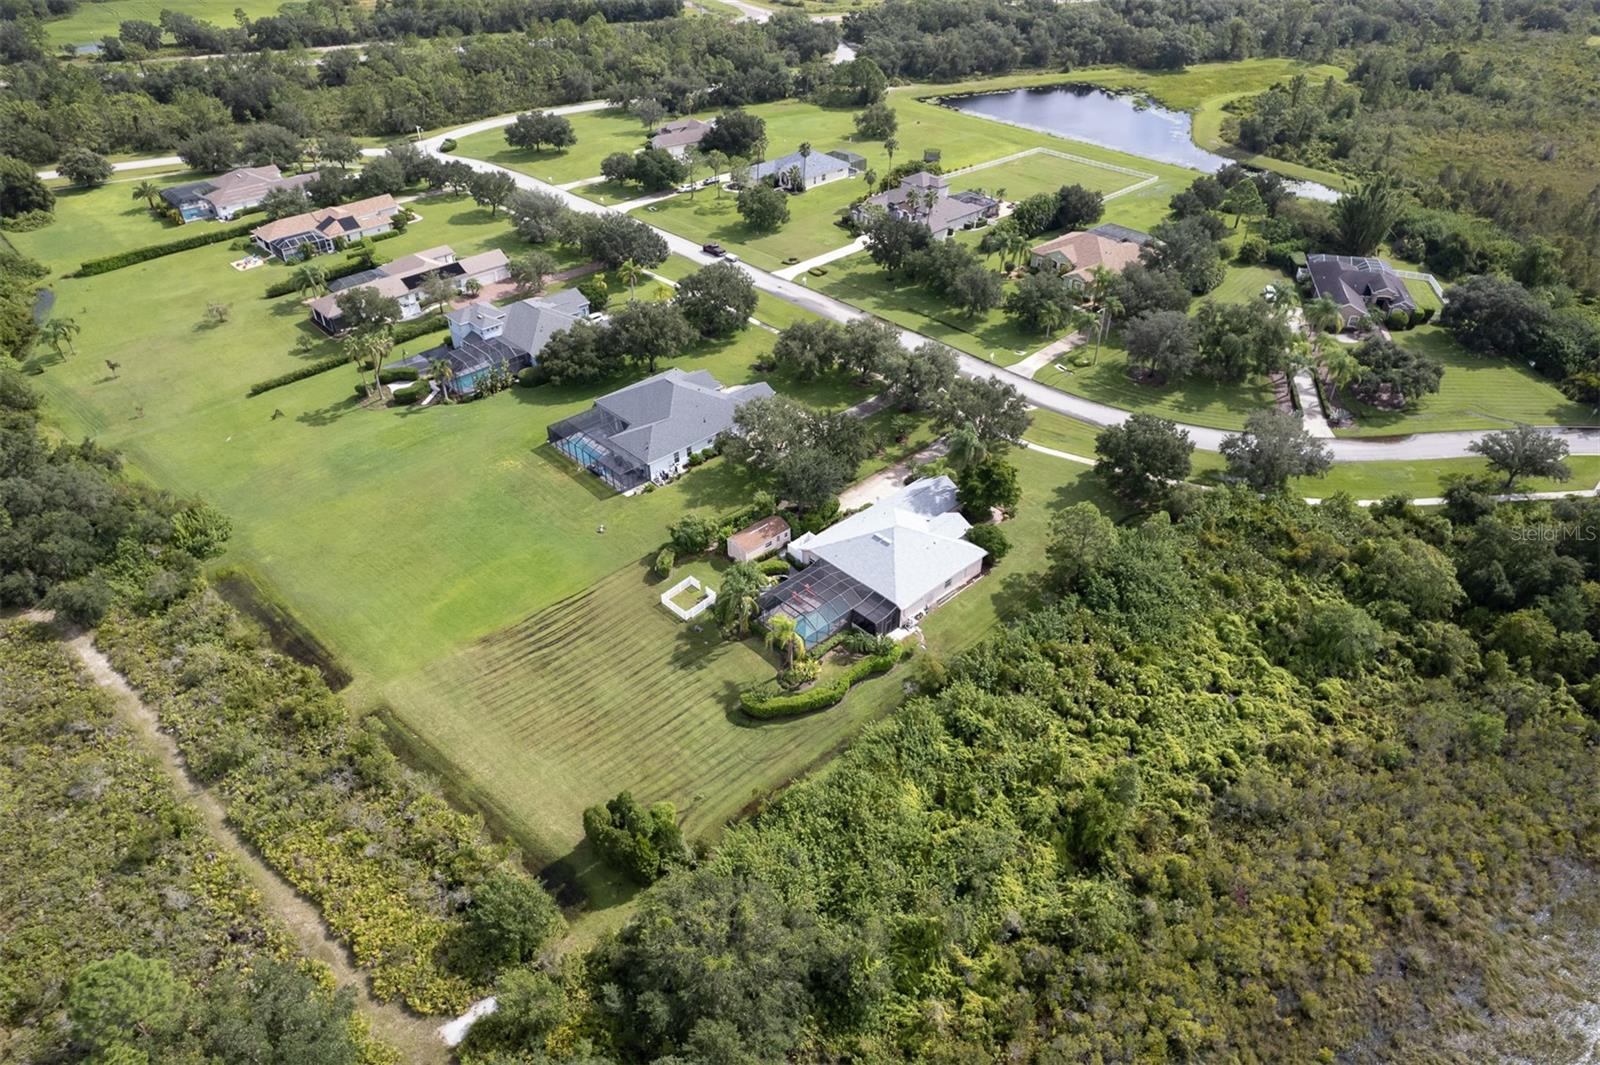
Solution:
(107, 263)
(428, 323)
(310, 369)
(821, 696)
(333, 273)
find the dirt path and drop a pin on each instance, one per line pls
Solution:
(415, 1037)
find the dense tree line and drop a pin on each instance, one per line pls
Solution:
(393, 86)
(1270, 783)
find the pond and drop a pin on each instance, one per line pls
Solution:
(1124, 123)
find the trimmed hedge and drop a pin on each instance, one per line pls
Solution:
(107, 263)
(774, 566)
(821, 696)
(405, 397)
(428, 323)
(310, 369)
(390, 374)
(334, 273)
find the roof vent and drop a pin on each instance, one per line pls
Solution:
(881, 538)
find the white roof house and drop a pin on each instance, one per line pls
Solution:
(883, 568)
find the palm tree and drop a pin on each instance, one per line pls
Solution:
(309, 278)
(967, 448)
(782, 635)
(1016, 247)
(805, 149)
(889, 145)
(1102, 297)
(58, 331)
(444, 376)
(147, 191)
(630, 273)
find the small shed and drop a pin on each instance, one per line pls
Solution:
(759, 540)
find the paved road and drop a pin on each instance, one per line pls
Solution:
(1419, 447)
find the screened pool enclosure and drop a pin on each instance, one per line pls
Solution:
(823, 599)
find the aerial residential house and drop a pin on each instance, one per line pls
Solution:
(797, 172)
(927, 198)
(1076, 255)
(879, 570)
(680, 137)
(320, 228)
(402, 281)
(484, 337)
(647, 431)
(226, 195)
(1357, 286)
(759, 539)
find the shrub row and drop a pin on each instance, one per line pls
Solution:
(332, 273)
(310, 369)
(107, 263)
(776, 566)
(822, 696)
(405, 397)
(428, 323)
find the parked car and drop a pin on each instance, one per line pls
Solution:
(730, 257)
(708, 182)
(713, 249)
(687, 188)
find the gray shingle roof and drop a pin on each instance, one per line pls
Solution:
(1356, 284)
(813, 167)
(674, 410)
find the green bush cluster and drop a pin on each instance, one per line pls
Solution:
(332, 273)
(299, 373)
(107, 263)
(412, 393)
(389, 863)
(642, 844)
(110, 876)
(390, 374)
(776, 566)
(763, 705)
(427, 323)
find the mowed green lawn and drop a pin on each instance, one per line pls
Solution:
(1475, 393)
(994, 335)
(1195, 400)
(599, 134)
(91, 21)
(1042, 172)
(396, 535)
(811, 230)
(91, 223)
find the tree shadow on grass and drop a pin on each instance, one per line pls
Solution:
(581, 882)
(329, 414)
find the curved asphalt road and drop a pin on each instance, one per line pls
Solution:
(1418, 447)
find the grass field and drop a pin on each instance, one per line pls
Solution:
(811, 229)
(857, 280)
(92, 21)
(94, 222)
(1475, 393)
(1042, 172)
(599, 134)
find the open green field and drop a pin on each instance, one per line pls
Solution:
(404, 538)
(599, 134)
(1241, 284)
(1195, 400)
(94, 222)
(811, 229)
(1042, 172)
(1475, 393)
(92, 21)
(995, 336)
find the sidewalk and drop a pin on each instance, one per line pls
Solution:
(789, 273)
(1047, 354)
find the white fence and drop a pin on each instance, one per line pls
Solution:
(710, 596)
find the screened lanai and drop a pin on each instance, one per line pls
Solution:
(823, 599)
